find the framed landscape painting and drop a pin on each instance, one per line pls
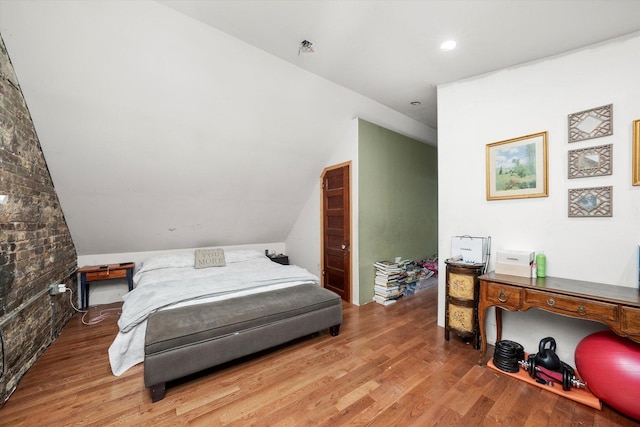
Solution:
(517, 168)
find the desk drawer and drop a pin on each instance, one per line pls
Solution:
(572, 306)
(104, 275)
(631, 321)
(503, 295)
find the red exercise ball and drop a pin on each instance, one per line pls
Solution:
(610, 365)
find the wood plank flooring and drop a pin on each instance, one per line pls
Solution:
(390, 366)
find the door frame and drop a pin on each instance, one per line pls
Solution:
(350, 263)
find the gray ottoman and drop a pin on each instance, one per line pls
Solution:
(186, 340)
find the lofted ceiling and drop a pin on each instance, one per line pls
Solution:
(176, 124)
(389, 51)
(161, 132)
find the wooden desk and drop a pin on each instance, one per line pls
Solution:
(93, 273)
(616, 306)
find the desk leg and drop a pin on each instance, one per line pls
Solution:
(482, 314)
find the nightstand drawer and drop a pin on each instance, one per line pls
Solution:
(106, 274)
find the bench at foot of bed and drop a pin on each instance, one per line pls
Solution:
(185, 340)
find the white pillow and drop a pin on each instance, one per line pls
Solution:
(177, 260)
(241, 255)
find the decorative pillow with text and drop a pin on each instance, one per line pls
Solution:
(209, 258)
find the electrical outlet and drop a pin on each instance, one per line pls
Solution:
(54, 289)
(57, 288)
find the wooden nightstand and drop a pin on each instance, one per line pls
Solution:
(94, 273)
(461, 303)
(280, 259)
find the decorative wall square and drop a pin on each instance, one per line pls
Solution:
(591, 202)
(593, 123)
(593, 161)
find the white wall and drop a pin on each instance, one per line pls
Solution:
(304, 240)
(161, 132)
(528, 99)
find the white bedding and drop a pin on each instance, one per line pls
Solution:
(171, 281)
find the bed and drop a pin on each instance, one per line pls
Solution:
(179, 319)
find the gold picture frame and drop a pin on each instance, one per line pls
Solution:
(518, 168)
(635, 156)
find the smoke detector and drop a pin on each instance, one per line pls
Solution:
(305, 47)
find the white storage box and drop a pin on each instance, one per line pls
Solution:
(515, 263)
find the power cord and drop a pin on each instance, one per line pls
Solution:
(104, 314)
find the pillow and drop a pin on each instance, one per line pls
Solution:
(241, 255)
(209, 258)
(176, 260)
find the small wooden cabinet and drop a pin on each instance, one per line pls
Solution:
(461, 305)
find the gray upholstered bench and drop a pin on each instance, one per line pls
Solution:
(186, 340)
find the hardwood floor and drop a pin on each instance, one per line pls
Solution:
(390, 366)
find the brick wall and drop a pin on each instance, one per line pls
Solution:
(35, 244)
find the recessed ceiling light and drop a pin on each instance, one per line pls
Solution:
(448, 45)
(415, 103)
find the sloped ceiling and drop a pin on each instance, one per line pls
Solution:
(388, 50)
(166, 129)
(161, 132)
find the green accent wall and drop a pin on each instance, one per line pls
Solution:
(397, 200)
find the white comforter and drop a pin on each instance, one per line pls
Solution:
(167, 282)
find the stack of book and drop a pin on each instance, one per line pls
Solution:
(390, 281)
